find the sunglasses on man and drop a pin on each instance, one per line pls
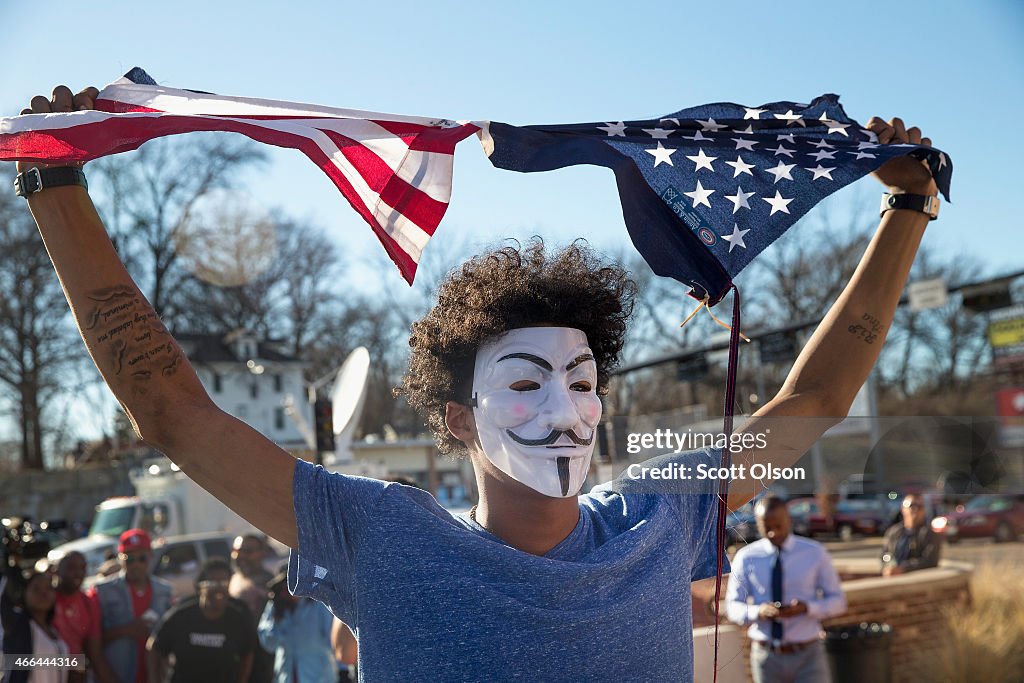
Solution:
(134, 557)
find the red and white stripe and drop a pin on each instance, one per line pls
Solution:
(395, 171)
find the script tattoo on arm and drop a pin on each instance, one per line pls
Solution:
(868, 329)
(129, 335)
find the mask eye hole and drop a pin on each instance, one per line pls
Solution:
(524, 385)
(581, 386)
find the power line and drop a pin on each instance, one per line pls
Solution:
(693, 352)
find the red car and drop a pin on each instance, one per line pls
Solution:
(987, 516)
(806, 517)
(865, 516)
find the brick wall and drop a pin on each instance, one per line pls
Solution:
(915, 605)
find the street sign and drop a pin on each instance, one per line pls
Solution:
(1006, 335)
(778, 347)
(692, 369)
(925, 294)
(1010, 408)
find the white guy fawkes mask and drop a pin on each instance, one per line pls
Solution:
(536, 407)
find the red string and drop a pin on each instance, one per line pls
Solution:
(726, 459)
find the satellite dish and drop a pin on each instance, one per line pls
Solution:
(347, 397)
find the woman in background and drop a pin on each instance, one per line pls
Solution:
(29, 630)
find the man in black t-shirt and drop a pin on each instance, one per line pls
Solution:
(210, 638)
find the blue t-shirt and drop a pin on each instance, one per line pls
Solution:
(432, 596)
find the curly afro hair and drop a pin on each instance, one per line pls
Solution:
(502, 290)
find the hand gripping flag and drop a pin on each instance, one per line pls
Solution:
(704, 190)
(395, 171)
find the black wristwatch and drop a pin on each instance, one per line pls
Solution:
(923, 203)
(39, 179)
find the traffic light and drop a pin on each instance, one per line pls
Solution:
(988, 296)
(324, 424)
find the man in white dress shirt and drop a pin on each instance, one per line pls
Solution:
(784, 586)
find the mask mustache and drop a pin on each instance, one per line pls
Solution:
(551, 438)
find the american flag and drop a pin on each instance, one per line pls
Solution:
(395, 171)
(704, 190)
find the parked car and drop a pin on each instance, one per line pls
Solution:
(866, 516)
(1000, 517)
(96, 549)
(177, 559)
(806, 517)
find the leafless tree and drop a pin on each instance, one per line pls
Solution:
(231, 279)
(311, 273)
(799, 276)
(929, 353)
(38, 343)
(147, 198)
(940, 350)
(364, 320)
(656, 330)
(274, 275)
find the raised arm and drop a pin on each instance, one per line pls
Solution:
(145, 367)
(836, 360)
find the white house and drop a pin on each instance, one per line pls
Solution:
(250, 378)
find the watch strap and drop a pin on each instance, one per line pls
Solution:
(38, 179)
(922, 203)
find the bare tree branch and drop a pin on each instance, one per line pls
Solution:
(38, 344)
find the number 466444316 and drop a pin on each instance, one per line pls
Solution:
(23, 662)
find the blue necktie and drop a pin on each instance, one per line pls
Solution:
(777, 593)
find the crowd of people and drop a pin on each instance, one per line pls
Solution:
(240, 626)
(243, 625)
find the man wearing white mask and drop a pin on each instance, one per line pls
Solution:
(534, 388)
(536, 584)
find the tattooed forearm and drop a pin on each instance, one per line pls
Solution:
(129, 336)
(868, 330)
(109, 302)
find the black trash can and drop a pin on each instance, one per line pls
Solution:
(859, 653)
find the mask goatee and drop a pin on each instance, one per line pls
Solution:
(563, 474)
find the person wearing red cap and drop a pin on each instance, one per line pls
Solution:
(130, 604)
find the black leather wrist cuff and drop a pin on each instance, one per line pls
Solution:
(38, 179)
(923, 203)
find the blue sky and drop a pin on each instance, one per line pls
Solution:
(955, 69)
(952, 68)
